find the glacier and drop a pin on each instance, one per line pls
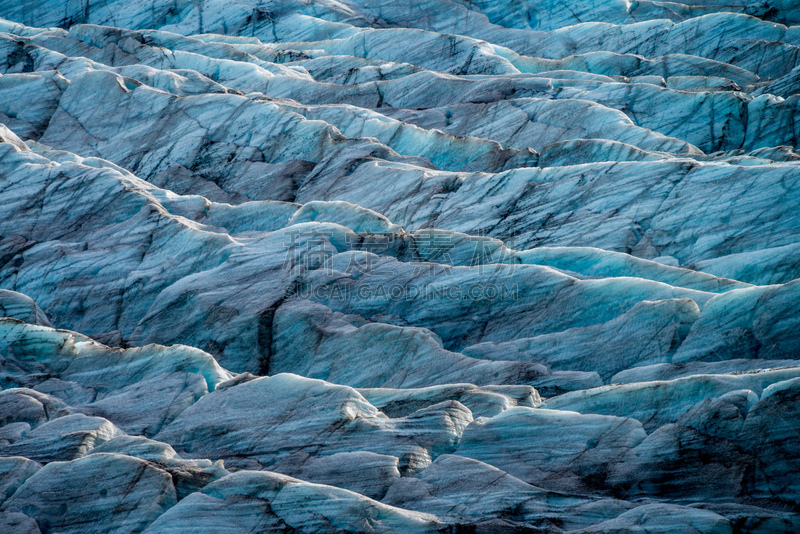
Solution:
(399, 266)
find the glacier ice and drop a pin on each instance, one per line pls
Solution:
(381, 266)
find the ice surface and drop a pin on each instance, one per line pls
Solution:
(399, 266)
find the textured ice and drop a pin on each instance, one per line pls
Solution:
(262, 501)
(99, 492)
(381, 266)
